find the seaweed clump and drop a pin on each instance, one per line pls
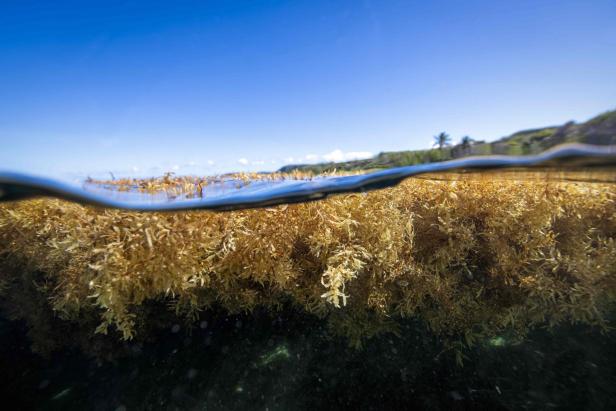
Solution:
(470, 258)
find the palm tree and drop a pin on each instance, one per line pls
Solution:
(442, 140)
(466, 143)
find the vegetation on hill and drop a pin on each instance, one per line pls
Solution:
(598, 130)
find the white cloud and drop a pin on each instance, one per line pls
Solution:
(210, 162)
(258, 163)
(311, 157)
(338, 155)
(358, 155)
(289, 160)
(175, 167)
(243, 161)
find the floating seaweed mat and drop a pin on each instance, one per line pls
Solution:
(471, 258)
(274, 189)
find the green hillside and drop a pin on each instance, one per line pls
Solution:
(598, 130)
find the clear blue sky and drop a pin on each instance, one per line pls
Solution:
(212, 86)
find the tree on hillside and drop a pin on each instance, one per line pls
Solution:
(466, 142)
(442, 140)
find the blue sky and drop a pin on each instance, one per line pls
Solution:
(206, 87)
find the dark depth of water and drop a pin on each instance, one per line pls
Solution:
(288, 362)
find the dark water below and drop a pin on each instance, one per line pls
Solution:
(288, 362)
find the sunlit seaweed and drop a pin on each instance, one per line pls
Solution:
(191, 186)
(472, 258)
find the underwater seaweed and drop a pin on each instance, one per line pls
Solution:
(470, 257)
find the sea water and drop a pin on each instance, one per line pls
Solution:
(287, 359)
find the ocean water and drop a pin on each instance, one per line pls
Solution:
(228, 193)
(287, 359)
